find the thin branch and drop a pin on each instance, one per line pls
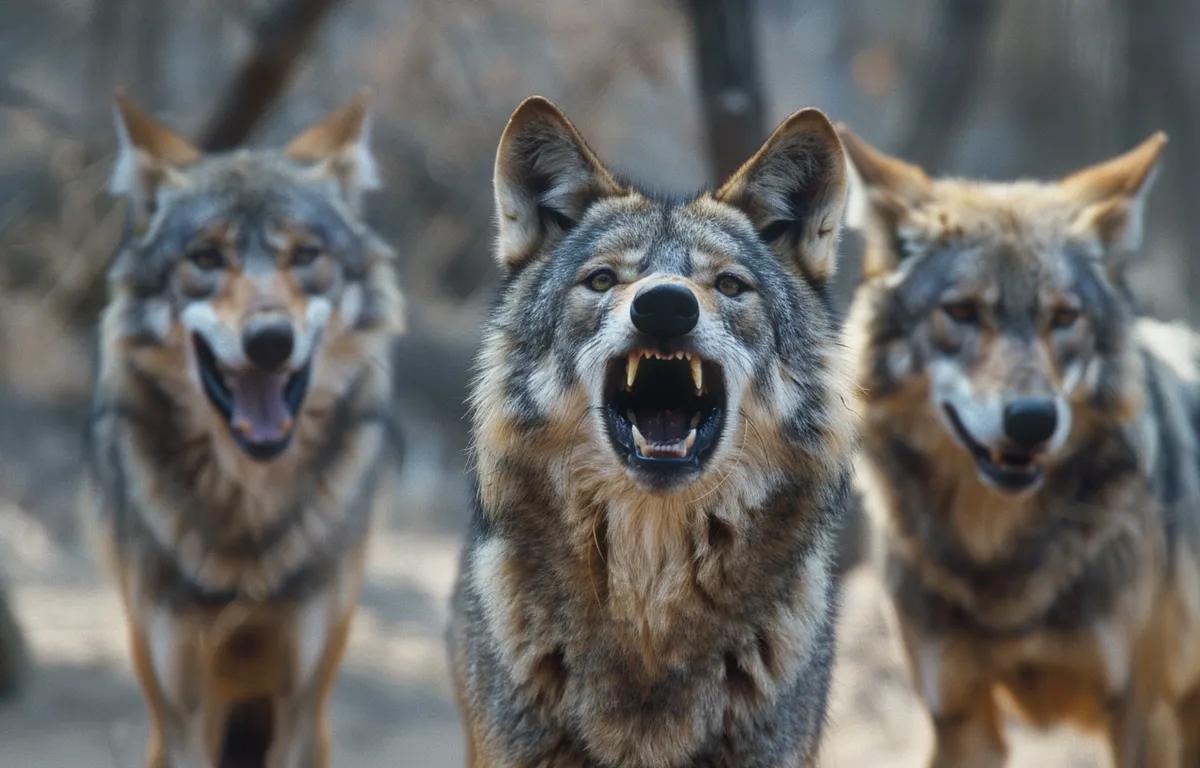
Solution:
(949, 80)
(282, 36)
(726, 56)
(14, 96)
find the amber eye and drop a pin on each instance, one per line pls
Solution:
(207, 257)
(730, 285)
(964, 312)
(304, 255)
(601, 280)
(1064, 317)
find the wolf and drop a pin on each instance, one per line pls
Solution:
(238, 430)
(1030, 456)
(662, 433)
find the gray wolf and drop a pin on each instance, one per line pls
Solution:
(662, 438)
(1029, 457)
(237, 430)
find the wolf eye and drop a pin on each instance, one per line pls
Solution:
(207, 257)
(601, 280)
(1064, 317)
(730, 285)
(965, 312)
(303, 255)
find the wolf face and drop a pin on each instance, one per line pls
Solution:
(245, 282)
(648, 337)
(998, 309)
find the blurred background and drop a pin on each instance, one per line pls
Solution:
(672, 93)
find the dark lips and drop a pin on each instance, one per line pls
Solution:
(222, 397)
(1015, 473)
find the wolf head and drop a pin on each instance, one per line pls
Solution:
(995, 315)
(248, 287)
(655, 345)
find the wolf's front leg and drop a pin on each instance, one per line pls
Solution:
(968, 726)
(143, 669)
(970, 734)
(1144, 734)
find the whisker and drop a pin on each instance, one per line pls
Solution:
(737, 460)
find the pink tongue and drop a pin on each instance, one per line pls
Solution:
(259, 412)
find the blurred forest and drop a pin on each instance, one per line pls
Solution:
(672, 93)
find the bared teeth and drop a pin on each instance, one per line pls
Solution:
(639, 441)
(697, 374)
(631, 366)
(689, 441)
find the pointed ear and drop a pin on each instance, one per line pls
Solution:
(545, 179)
(338, 147)
(885, 190)
(1112, 195)
(794, 190)
(149, 156)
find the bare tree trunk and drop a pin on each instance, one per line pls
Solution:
(1159, 95)
(949, 79)
(281, 37)
(726, 54)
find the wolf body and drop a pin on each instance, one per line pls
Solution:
(662, 436)
(238, 430)
(1030, 457)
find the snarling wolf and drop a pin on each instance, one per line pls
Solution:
(662, 440)
(1030, 457)
(238, 429)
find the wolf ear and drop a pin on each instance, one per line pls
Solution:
(884, 191)
(794, 190)
(545, 178)
(338, 146)
(149, 156)
(1112, 194)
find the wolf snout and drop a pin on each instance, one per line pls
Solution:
(1030, 421)
(268, 342)
(666, 310)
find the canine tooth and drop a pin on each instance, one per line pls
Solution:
(697, 375)
(689, 441)
(640, 441)
(632, 419)
(695, 421)
(631, 366)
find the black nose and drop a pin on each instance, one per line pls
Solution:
(666, 310)
(1030, 421)
(268, 344)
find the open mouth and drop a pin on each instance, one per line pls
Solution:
(259, 406)
(1011, 471)
(665, 411)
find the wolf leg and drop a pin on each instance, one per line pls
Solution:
(143, 670)
(970, 734)
(330, 663)
(1144, 736)
(1188, 718)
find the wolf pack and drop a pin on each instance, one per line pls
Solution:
(679, 445)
